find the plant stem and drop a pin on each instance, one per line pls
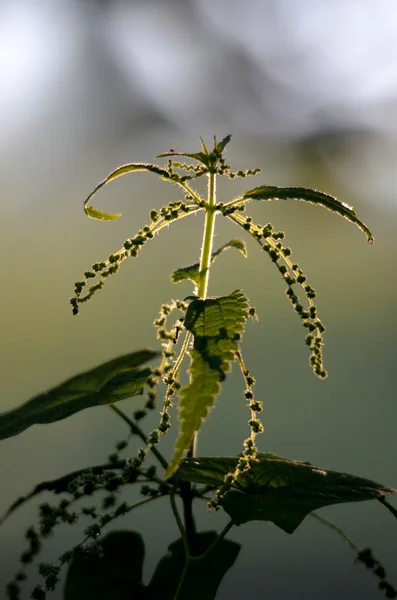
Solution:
(383, 501)
(337, 530)
(180, 526)
(206, 249)
(204, 272)
(220, 537)
(136, 430)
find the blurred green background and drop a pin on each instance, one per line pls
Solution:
(309, 92)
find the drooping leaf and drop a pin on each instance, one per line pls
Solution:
(279, 489)
(216, 325)
(203, 576)
(117, 575)
(273, 192)
(192, 271)
(115, 380)
(124, 170)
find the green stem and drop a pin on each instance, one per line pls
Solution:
(204, 272)
(196, 197)
(136, 430)
(337, 530)
(383, 501)
(180, 526)
(236, 202)
(210, 549)
(206, 249)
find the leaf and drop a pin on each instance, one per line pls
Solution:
(272, 192)
(124, 170)
(199, 156)
(94, 213)
(115, 576)
(279, 489)
(216, 324)
(221, 146)
(203, 575)
(192, 271)
(115, 380)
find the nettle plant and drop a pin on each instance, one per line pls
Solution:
(207, 331)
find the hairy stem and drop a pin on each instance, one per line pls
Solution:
(206, 249)
(204, 272)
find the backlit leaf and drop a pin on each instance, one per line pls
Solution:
(192, 271)
(219, 147)
(115, 380)
(216, 325)
(124, 170)
(279, 489)
(94, 213)
(199, 156)
(273, 192)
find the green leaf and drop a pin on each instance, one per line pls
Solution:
(199, 156)
(115, 380)
(94, 213)
(216, 325)
(272, 192)
(279, 489)
(124, 170)
(203, 576)
(192, 271)
(115, 576)
(203, 146)
(219, 148)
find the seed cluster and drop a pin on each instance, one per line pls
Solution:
(269, 240)
(250, 450)
(131, 248)
(85, 484)
(366, 557)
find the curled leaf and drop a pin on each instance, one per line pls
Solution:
(123, 170)
(192, 271)
(273, 192)
(94, 213)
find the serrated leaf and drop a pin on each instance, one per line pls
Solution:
(279, 489)
(273, 192)
(115, 380)
(221, 145)
(199, 156)
(116, 575)
(192, 271)
(216, 325)
(123, 170)
(203, 576)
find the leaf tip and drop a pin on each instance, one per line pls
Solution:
(94, 213)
